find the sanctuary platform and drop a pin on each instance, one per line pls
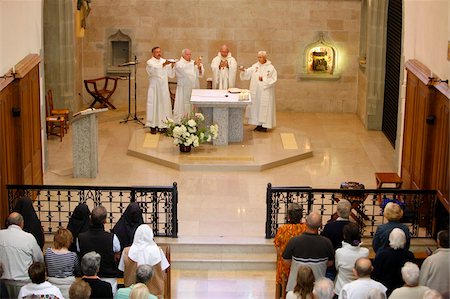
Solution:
(258, 151)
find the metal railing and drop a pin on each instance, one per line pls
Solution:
(419, 207)
(55, 204)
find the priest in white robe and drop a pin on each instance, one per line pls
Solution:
(262, 76)
(187, 72)
(159, 106)
(224, 68)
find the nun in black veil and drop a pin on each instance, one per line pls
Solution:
(32, 224)
(127, 224)
(78, 223)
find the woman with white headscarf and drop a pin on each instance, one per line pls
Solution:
(144, 251)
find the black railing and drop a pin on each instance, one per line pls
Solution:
(54, 204)
(366, 207)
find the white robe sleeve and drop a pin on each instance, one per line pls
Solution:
(232, 72)
(247, 74)
(215, 70)
(270, 77)
(170, 70)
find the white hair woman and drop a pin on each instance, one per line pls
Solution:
(393, 258)
(411, 289)
(393, 214)
(144, 251)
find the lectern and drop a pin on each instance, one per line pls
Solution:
(85, 143)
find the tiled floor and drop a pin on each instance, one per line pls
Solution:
(232, 203)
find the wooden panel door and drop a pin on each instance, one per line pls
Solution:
(408, 135)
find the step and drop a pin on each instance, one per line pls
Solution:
(221, 253)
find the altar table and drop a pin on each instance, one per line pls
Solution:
(224, 109)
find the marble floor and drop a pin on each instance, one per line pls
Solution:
(231, 204)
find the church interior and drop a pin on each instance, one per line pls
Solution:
(345, 124)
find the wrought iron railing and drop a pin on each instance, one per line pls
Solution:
(55, 204)
(366, 207)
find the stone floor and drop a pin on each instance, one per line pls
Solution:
(216, 204)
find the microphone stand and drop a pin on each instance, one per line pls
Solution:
(136, 118)
(129, 116)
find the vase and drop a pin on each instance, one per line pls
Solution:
(185, 148)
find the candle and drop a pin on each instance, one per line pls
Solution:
(14, 69)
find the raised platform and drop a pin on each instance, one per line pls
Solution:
(258, 151)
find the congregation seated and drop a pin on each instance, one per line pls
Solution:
(80, 289)
(32, 224)
(435, 270)
(347, 255)
(304, 285)
(393, 213)
(292, 228)
(104, 243)
(78, 223)
(389, 261)
(360, 287)
(18, 250)
(90, 265)
(144, 275)
(323, 289)
(144, 251)
(411, 288)
(38, 286)
(333, 230)
(127, 224)
(62, 264)
(309, 249)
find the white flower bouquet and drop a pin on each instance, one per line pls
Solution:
(191, 130)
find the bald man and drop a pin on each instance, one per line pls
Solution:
(18, 250)
(187, 72)
(224, 68)
(309, 249)
(360, 287)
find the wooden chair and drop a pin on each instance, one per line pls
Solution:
(55, 122)
(52, 112)
(101, 95)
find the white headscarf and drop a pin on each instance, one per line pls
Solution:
(144, 251)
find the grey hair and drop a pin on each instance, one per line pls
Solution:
(183, 52)
(323, 288)
(343, 208)
(14, 218)
(397, 239)
(90, 263)
(263, 53)
(410, 274)
(144, 273)
(432, 294)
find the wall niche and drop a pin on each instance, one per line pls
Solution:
(118, 52)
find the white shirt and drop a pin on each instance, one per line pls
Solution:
(359, 288)
(18, 250)
(44, 288)
(345, 259)
(409, 292)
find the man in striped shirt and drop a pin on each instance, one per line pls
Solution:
(309, 249)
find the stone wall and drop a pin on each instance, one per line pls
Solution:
(283, 28)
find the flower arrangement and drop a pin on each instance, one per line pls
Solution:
(191, 130)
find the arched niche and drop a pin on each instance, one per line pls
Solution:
(320, 60)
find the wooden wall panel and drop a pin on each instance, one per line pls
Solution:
(425, 156)
(20, 137)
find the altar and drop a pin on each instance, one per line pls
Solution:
(224, 109)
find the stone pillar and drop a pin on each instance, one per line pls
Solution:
(85, 143)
